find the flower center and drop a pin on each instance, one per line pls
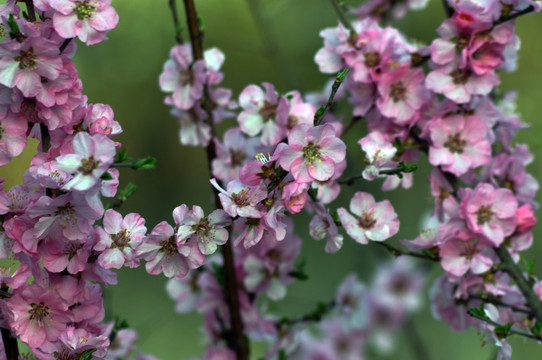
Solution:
(455, 144)
(38, 312)
(461, 42)
(484, 214)
(71, 249)
(241, 199)
(372, 59)
(398, 91)
(121, 239)
(27, 59)
(311, 153)
(186, 76)
(460, 76)
(268, 110)
(88, 165)
(467, 248)
(292, 121)
(367, 220)
(85, 9)
(169, 246)
(237, 157)
(204, 231)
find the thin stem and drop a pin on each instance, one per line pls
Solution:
(235, 338)
(506, 18)
(395, 251)
(342, 16)
(176, 24)
(11, 347)
(488, 298)
(415, 341)
(448, 10)
(64, 45)
(321, 113)
(512, 331)
(265, 27)
(196, 36)
(351, 124)
(30, 10)
(314, 316)
(510, 267)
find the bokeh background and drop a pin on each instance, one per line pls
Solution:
(275, 41)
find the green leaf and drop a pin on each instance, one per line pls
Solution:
(86, 355)
(299, 270)
(120, 324)
(536, 329)
(529, 266)
(146, 163)
(121, 156)
(406, 167)
(128, 190)
(341, 75)
(282, 355)
(503, 331)
(14, 27)
(106, 176)
(320, 112)
(478, 312)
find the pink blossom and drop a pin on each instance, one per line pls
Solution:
(242, 200)
(263, 111)
(490, 212)
(322, 227)
(119, 238)
(379, 153)
(372, 220)
(459, 143)
(232, 155)
(182, 78)
(208, 231)
(91, 158)
(459, 84)
(165, 254)
(89, 20)
(402, 93)
(12, 137)
(312, 153)
(37, 315)
(23, 65)
(459, 256)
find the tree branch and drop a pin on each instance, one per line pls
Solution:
(322, 111)
(510, 267)
(342, 16)
(176, 24)
(511, 331)
(506, 18)
(395, 251)
(235, 338)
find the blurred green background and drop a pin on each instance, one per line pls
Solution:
(275, 41)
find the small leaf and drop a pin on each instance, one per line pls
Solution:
(146, 163)
(86, 355)
(536, 329)
(529, 266)
(503, 331)
(14, 27)
(106, 176)
(129, 190)
(320, 112)
(121, 156)
(478, 312)
(341, 75)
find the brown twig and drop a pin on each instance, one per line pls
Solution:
(342, 16)
(509, 266)
(176, 24)
(395, 251)
(235, 338)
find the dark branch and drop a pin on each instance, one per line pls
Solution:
(506, 18)
(321, 113)
(509, 266)
(342, 16)
(176, 24)
(496, 324)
